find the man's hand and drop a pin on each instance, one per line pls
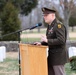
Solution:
(44, 39)
(37, 43)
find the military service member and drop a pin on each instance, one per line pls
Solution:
(56, 41)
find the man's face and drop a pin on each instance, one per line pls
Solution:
(48, 17)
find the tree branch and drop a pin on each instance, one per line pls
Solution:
(61, 4)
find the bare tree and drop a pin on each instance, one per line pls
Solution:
(67, 6)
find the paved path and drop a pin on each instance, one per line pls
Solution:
(71, 35)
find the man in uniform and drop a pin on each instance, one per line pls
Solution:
(56, 41)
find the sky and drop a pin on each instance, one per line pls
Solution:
(56, 1)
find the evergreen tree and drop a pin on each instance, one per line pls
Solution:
(24, 6)
(9, 10)
(72, 19)
(72, 22)
(27, 6)
(10, 22)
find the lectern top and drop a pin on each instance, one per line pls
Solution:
(32, 45)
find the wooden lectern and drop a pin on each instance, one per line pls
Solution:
(33, 60)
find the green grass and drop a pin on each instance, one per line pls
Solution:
(30, 40)
(72, 39)
(9, 67)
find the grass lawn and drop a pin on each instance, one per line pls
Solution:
(10, 65)
(30, 40)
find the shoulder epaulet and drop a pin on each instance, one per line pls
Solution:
(59, 24)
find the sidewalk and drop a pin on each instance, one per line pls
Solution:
(32, 35)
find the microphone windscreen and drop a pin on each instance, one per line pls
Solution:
(39, 24)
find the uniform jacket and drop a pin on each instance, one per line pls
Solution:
(56, 35)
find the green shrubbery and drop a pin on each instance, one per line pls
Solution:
(73, 63)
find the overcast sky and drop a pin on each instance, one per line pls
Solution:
(56, 1)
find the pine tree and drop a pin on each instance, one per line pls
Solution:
(10, 22)
(24, 6)
(27, 6)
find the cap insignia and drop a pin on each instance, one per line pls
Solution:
(43, 9)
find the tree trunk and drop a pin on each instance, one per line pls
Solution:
(66, 16)
(39, 16)
(66, 23)
(72, 28)
(30, 23)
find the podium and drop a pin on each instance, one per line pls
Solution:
(33, 59)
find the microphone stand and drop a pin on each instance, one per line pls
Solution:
(18, 42)
(14, 32)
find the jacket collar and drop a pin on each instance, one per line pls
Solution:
(53, 23)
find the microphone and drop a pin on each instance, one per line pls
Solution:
(37, 25)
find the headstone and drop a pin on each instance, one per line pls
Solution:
(2, 53)
(72, 51)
